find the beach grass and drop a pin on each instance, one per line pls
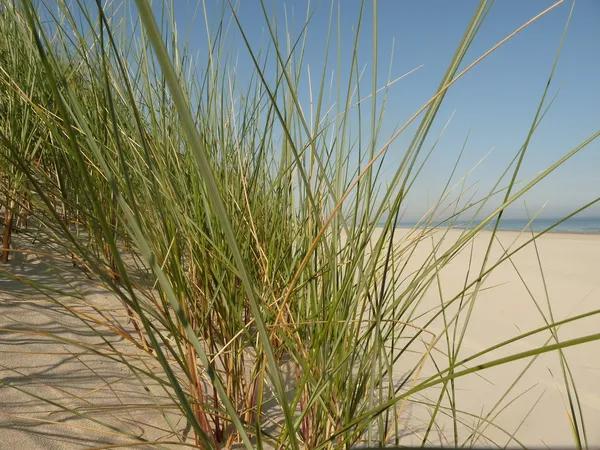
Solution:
(238, 231)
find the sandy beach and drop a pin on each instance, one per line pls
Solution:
(40, 357)
(505, 308)
(535, 410)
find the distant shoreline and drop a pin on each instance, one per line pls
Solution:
(581, 226)
(504, 230)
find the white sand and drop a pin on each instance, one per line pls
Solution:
(571, 265)
(31, 361)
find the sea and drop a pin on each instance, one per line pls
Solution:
(583, 225)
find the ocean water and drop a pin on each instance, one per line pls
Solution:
(585, 225)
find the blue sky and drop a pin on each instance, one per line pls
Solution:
(496, 102)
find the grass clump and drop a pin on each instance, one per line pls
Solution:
(259, 297)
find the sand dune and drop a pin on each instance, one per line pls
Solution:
(539, 414)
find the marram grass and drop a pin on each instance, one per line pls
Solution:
(257, 301)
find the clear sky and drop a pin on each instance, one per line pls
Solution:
(496, 101)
